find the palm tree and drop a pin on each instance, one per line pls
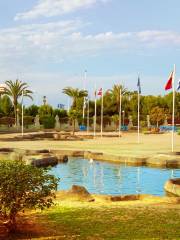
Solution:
(15, 90)
(75, 94)
(115, 94)
(73, 116)
(115, 119)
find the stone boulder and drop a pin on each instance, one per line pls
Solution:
(80, 193)
(172, 187)
(62, 158)
(124, 198)
(42, 160)
(80, 190)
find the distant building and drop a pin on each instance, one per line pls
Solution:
(2, 88)
(61, 106)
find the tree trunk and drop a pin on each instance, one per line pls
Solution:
(15, 112)
(11, 224)
(73, 126)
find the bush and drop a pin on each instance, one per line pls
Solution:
(7, 121)
(48, 122)
(32, 110)
(64, 120)
(24, 187)
(60, 112)
(45, 110)
(28, 120)
(179, 132)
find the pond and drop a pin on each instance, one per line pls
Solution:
(113, 179)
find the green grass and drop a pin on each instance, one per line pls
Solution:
(112, 222)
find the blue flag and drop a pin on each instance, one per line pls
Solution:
(139, 85)
(178, 87)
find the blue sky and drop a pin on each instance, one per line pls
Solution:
(50, 43)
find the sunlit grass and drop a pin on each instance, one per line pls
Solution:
(105, 222)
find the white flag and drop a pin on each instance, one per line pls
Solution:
(178, 87)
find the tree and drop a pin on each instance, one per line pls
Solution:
(62, 113)
(75, 94)
(15, 90)
(73, 116)
(45, 110)
(157, 115)
(24, 187)
(115, 119)
(6, 106)
(32, 110)
(115, 95)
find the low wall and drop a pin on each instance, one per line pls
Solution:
(158, 160)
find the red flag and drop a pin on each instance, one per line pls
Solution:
(169, 82)
(100, 92)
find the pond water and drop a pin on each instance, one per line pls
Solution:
(113, 179)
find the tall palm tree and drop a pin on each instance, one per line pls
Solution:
(75, 94)
(115, 94)
(73, 116)
(15, 89)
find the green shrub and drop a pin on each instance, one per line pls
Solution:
(7, 121)
(48, 122)
(28, 120)
(23, 187)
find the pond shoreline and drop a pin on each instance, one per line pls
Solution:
(46, 157)
(155, 161)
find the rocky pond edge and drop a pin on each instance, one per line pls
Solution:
(44, 157)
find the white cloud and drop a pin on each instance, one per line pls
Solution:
(159, 37)
(49, 8)
(58, 41)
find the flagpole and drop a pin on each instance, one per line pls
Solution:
(138, 116)
(120, 105)
(88, 115)
(85, 77)
(102, 113)
(173, 112)
(95, 112)
(22, 119)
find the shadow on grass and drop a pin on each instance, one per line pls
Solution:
(101, 223)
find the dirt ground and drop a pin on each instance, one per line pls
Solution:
(126, 145)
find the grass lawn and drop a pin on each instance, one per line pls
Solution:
(106, 221)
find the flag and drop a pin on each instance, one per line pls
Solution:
(139, 85)
(178, 87)
(169, 82)
(99, 92)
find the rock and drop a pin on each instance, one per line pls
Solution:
(80, 190)
(80, 193)
(63, 137)
(124, 198)
(44, 160)
(7, 150)
(56, 136)
(17, 155)
(62, 158)
(172, 186)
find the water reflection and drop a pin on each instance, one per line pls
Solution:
(108, 178)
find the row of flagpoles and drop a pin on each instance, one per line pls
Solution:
(169, 85)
